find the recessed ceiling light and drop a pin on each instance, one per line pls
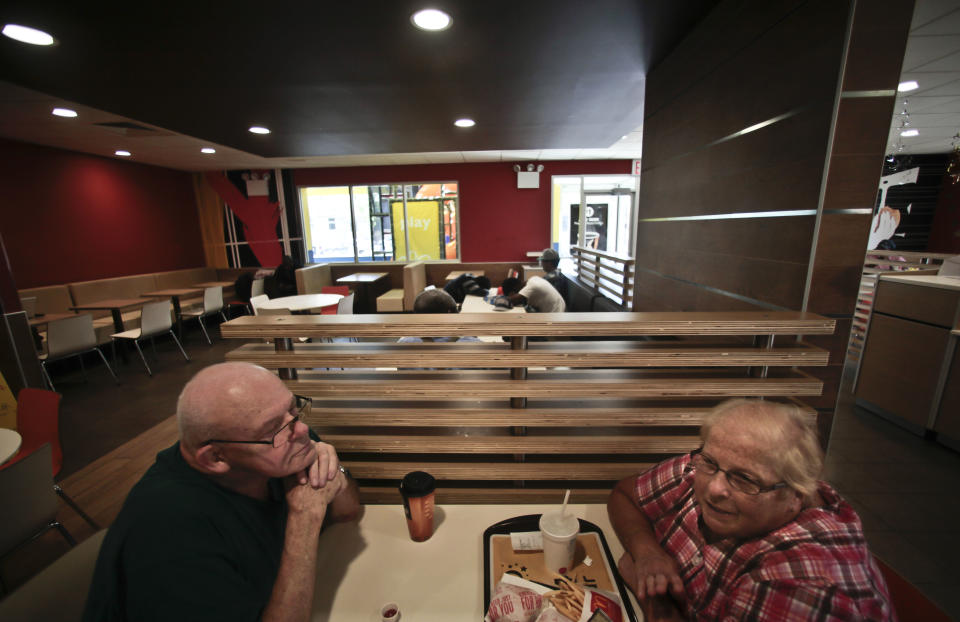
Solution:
(910, 133)
(25, 34)
(122, 153)
(208, 150)
(64, 112)
(464, 122)
(431, 19)
(909, 85)
(256, 129)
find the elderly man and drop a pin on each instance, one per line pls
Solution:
(225, 524)
(741, 529)
(550, 263)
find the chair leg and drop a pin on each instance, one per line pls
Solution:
(204, 329)
(110, 369)
(222, 316)
(63, 531)
(142, 357)
(76, 508)
(177, 341)
(83, 368)
(46, 375)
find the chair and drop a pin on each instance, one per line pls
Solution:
(257, 288)
(212, 304)
(255, 303)
(345, 305)
(72, 336)
(59, 592)
(38, 422)
(32, 504)
(155, 319)
(909, 603)
(29, 304)
(343, 290)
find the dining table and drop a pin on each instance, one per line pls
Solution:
(301, 302)
(10, 441)
(369, 563)
(206, 284)
(366, 286)
(174, 295)
(46, 318)
(116, 306)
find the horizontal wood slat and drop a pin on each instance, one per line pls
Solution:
(456, 444)
(559, 388)
(390, 495)
(485, 355)
(610, 324)
(560, 471)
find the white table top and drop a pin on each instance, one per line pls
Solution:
(476, 304)
(301, 302)
(368, 564)
(9, 444)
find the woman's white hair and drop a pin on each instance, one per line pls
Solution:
(786, 429)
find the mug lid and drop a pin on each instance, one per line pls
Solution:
(417, 484)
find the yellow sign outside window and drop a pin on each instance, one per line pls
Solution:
(424, 220)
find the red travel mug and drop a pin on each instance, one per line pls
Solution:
(417, 489)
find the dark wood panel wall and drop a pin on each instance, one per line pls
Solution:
(763, 146)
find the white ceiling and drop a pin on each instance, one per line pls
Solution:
(932, 59)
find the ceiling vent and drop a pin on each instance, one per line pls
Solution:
(126, 128)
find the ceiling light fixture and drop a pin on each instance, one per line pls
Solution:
(64, 112)
(464, 122)
(909, 85)
(431, 19)
(910, 133)
(122, 153)
(256, 129)
(208, 150)
(25, 34)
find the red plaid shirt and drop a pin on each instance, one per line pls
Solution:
(816, 567)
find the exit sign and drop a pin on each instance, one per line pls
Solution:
(635, 169)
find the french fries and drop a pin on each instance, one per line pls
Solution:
(568, 598)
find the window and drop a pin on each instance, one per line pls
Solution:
(380, 222)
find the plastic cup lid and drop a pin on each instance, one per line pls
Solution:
(417, 484)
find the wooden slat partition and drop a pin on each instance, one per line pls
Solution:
(519, 420)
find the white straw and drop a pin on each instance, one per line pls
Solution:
(566, 497)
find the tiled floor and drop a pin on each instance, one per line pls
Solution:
(905, 489)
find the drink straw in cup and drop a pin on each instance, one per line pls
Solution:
(566, 497)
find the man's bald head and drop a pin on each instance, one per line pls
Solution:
(223, 401)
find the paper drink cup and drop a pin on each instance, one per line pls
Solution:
(559, 540)
(417, 489)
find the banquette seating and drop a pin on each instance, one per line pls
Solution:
(60, 298)
(519, 420)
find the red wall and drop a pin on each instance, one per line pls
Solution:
(69, 216)
(498, 222)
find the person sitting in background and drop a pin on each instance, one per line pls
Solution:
(741, 528)
(537, 294)
(225, 524)
(550, 263)
(435, 301)
(467, 285)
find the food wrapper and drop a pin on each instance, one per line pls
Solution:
(515, 600)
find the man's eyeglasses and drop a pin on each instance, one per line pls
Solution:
(285, 433)
(737, 480)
